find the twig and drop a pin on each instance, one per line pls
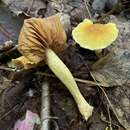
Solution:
(7, 69)
(86, 5)
(56, 125)
(7, 113)
(88, 82)
(107, 99)
(45, 110)
(109, 116)
(108, 122)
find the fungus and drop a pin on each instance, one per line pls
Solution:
(39, 41)
(94, 36)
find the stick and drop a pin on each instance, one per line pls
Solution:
(87, 82)
(87, 8)
(45, 107)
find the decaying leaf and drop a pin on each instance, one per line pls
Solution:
(120, 100)
(123, 39)
(37, 35)
(9, 25)
(4, 83)
(116, 70)
(30, 7)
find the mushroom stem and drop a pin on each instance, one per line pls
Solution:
(63, 73)
(98, 53)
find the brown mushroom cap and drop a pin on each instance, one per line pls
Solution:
(38, 34)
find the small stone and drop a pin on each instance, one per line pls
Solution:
(103, 5)
(30, 93)
(65, 20)
(111, 3)
(99, 5)
(76, 15)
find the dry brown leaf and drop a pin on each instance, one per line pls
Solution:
(123, 39)
(116, 70)
(38, 34)
(27, 7)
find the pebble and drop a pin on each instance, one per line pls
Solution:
(101, 5)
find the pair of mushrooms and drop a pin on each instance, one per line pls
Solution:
(40, 40)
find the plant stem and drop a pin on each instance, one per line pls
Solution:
(63, 73)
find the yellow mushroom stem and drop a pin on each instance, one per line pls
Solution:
(98, 53)
(63, 73)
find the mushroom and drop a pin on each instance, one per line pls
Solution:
(39, 41)
(95, 36)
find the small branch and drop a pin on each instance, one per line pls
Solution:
(109, 115)
(109, 102)
(7, 113)
(45, 107)
(87, 82)
(87, 8)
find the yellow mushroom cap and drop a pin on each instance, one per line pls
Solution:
(94, 36)
(23, 62)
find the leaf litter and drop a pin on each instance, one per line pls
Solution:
(114, 70)
(9, 25)
(29, 7)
